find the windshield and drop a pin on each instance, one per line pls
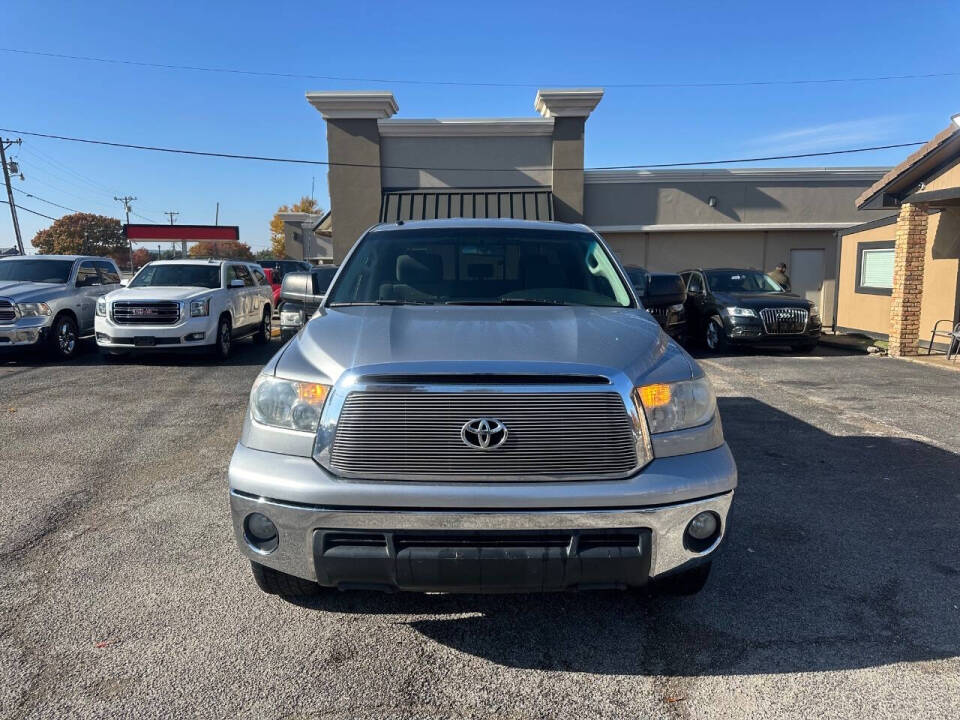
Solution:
(323, 276)
(741, 281)
(205, 276)
(480, 266)
(638, 276)
(40, 271)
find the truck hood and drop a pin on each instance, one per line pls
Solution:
(422, 339)
(29, 291)
(158, 293)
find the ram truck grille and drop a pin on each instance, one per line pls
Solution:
(8, 312)
(417, 436)
(784, 321)
(128, 312)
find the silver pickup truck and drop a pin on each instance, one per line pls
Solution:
(51, 299)
(481, 406)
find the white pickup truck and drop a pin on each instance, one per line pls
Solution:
(174, 304)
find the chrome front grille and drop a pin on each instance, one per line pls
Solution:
(784, 321)
(128, 312)
(8, 312)
(417, 436)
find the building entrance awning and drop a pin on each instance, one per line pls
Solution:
(516, 203)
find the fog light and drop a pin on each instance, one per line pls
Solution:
(261, 532)
(703, 526)
(193, 337)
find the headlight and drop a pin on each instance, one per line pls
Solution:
(291, 317)
(679, 405)
(676, 308)
(741, 312)
(287, 404)
(814, 311)
(33, 309)
(101, 307)
(200, 308)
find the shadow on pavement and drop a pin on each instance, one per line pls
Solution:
(245, 353)
(843, 553)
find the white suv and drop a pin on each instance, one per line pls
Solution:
(174, 304)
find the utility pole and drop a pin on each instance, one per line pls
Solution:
(126, 200)
(4, 144)
(172, 215)
(216, 219)
(183, 243)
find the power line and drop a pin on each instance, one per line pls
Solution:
(44, 200)
(456, 83)
(265, 158)
(26, 209)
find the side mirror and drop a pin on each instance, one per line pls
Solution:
(298, 287)
(124, 282)
(236, 283)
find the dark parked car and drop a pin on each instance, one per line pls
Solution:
(282, 267)
(727, 306)
(663, 295)
(301, 294)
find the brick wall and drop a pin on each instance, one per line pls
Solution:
(911, 239)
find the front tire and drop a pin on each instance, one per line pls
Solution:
(715, 337)
(274, 582)
(224, 341)
(263, 334)
(686, 582)
(64, 337)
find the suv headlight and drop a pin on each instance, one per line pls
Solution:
(291, 317)
(101, 307)
(814, 311)
(200, 308)
(741, 312)
(676, 406)
(39, 309)
(287, 404)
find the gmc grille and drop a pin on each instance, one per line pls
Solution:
(127, 312)
(416, 436)
(8, 311)
(784, 321)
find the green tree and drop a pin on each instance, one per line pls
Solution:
(84, 234)
(306, 204)
(266, 254)
(221, 249)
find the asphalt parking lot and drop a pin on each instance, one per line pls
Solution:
(122, 595)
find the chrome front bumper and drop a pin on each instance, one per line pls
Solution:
(298, 525)
(25, 331)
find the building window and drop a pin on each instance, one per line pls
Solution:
(875, 267)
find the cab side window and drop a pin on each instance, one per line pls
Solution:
(245, 275)
(87, 275)
(108, 272)
(232, 274)
(261, 278)
(695, 283)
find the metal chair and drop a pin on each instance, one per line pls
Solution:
(953, 348)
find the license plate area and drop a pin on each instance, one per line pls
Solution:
(144, 341)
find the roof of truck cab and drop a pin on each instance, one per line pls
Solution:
(492, 223)
(71, 258)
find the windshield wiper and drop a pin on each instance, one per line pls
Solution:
(383, 302)
(508, 301)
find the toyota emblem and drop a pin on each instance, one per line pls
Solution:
(483, 433)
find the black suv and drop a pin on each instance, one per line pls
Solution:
(663, 296)
(727, 306)
(282, 267)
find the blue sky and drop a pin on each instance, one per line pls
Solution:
(544, 44)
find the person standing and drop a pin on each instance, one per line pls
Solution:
(779, 275)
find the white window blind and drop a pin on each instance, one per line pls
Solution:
(876, 268)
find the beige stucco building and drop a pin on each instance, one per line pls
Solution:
(900, 275)
(385, 169)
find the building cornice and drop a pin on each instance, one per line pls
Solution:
(723, 227)
(571, 102)
(464, 127)
(838, 174)
(353, 104)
